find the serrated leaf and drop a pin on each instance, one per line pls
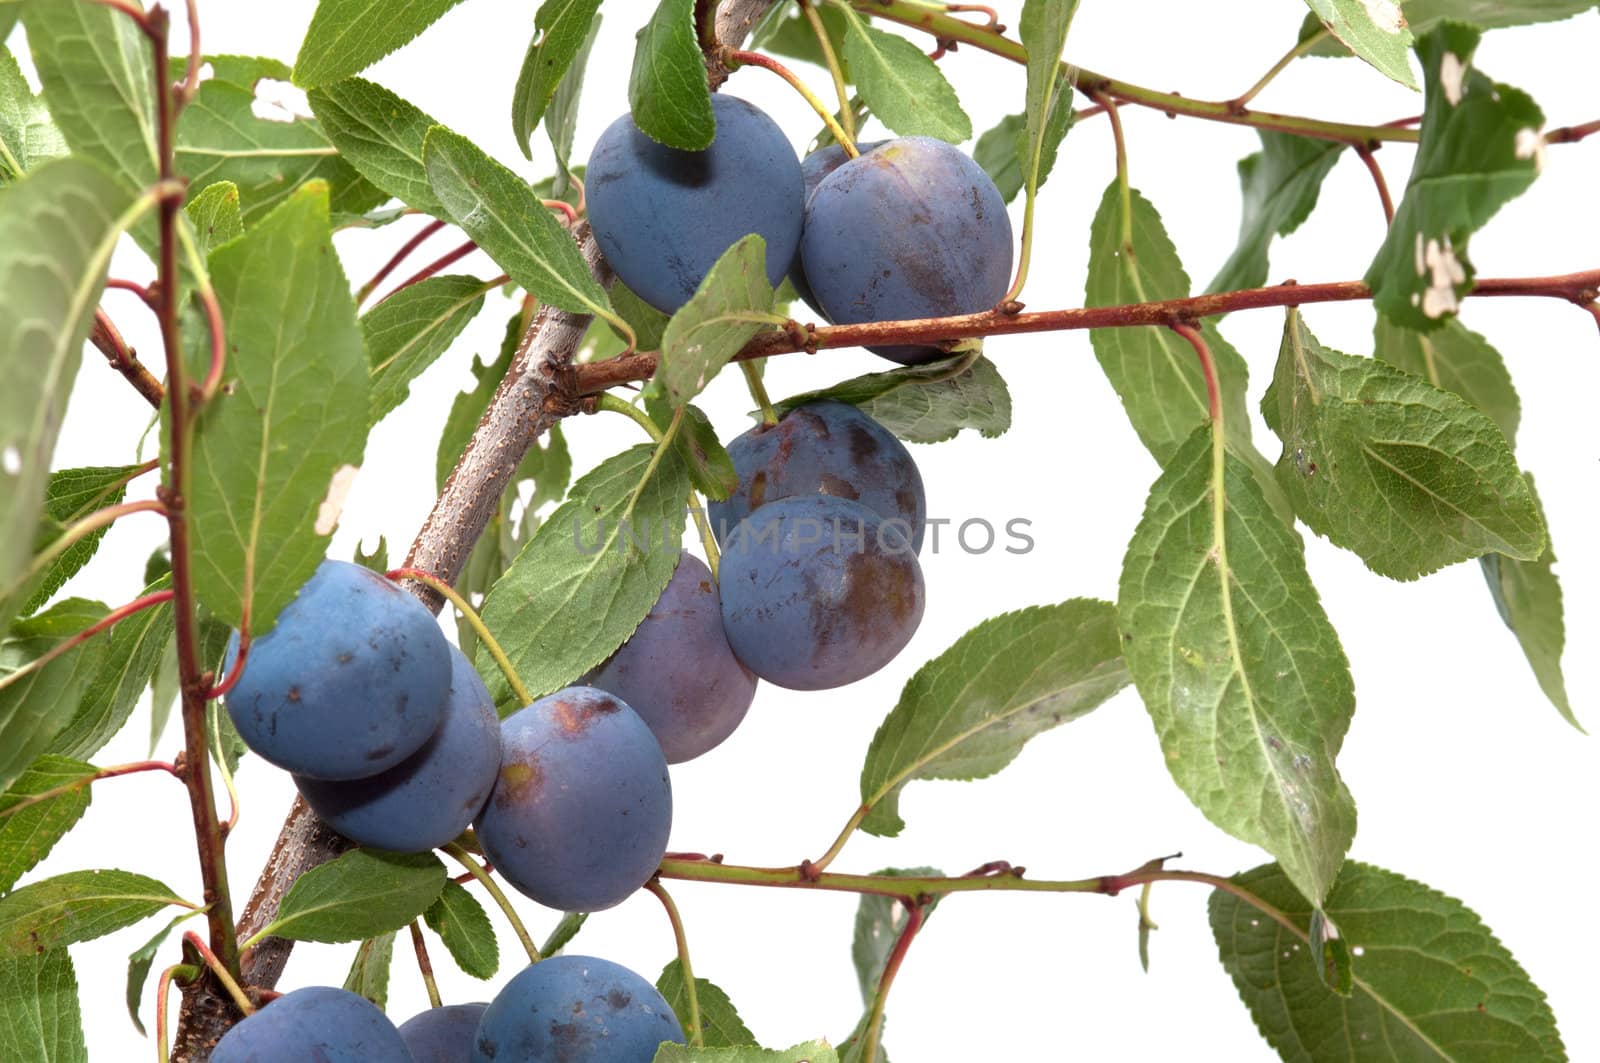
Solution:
(369, 970)
(902, 86)
(498, 210)
(37, 705)
(708, 462)
(347, 36)
(139, 964)
(879, 922)
(730, 306)
(1373, 29)
(361, 894)
(1409, 477)
(79, 906)
(1481, 147)
(591, 572)
(996, 151)
(1237, 663)
(810, 1052)
(70, 496)
(967, 713)
(378, 560)
(295, 413)
(667, 89)
(1424, 16)
(1043, 29)
(1528, 596)
(561, 117)
(39, 1017)
(29, 831)
(464, 927)
(1280, 184)
(215, 215)
(720, 1025)
(28, 137)
(1455, 358)
(923, 403)
(57, 230)
(562, 33)
(408, 331)
(382, 136)
(127, 661)
(1430, 981)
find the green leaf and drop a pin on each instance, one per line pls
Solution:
(139, 964)
(923, 403)
(1425, 15)
(1280, 184)
(997, 152)
(347, 36)
(36, 706)
(464, 927)
(720, 1025)
(968, 712)
(27, 135)
(226, 747)
(879, 921)
(70, 496)
(275, 444)
(1481, 147)
(1043, 30)
(378, 560)
(95, 67)
(1237, 663)
(1455, 358)
(362, 894)
(39, 1018)
(1528, 595)
(1409, 477)
(369, 970)
(667, 89)
(66, 216)
(1430, 982)
(707, 461)
(11, 10)
(382, 136)
(125, 664)
(649, 324)
(497, 209)
(29, 832)
(408, 331)
(563, 30)
(243, 70)
(215, 215)
(1373, 29)
(79, 906)
(731, 305)
(591, 572)
(903, 87)
(561, 117)
(810, 1052)
(562, 935)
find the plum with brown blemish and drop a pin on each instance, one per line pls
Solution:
(444, 1034)
(678, 672)
(427, 800)
(813, 168)
(351, 680)
(580, 813)
(911, 229)
(817, 592)
(576, 1009)
(316, 1023)
(824, 448)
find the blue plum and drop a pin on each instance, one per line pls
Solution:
(813, 168)
(576, 1009)
(913, 228)
(580, 813)
(824, 448)
(663, 217)
(443, 1035)
(431, 797)
(317, 1023)
(817, 592)
(678, 672)
(351, 681)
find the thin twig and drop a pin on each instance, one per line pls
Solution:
(1370, 159)
(399, 256)
(109, 342)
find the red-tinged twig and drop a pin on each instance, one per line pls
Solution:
(184, 973)
(127, 7)
(425, 965)
(681, 939)
(1404, 123)
(399, 257)
(191, 74)
(240, 658)
(562, 207)
(915, 913)
(110, 620)
(734, 59)
(143, 291)
(583, 196)
(220, 972)
(116, 771)
(109, 342)
(439, 265)
(1573, 133)
(993, 16)
(1370, 159)
(1208, 366)
(219, 345)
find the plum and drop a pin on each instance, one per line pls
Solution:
(818, 592)
(427, 800)
(576, 1009)
(824, 448)
(913, 228)
(580, 813)
(352, 679)
(316, 1023)
(663, 217)
(678, 672)
(813, 168)
(443, 1035)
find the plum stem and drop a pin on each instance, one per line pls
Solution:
(612, 404)
(758, 391)
(1365, 151)
(735, 59)
(691, 991)
(708, 539)
(220, 972)
(463, 858)
(425, 965)
(183, 972)
(479, 628)
(847, 118)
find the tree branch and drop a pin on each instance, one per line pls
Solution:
(110, 343)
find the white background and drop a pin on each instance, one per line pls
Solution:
(1466, 778)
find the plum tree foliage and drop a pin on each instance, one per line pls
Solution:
(603, 651)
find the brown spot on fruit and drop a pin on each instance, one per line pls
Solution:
(838, 487)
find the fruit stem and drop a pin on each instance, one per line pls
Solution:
(847, 118)
(758, 391)
(1208, 366)
(902, 945)
(612, 404)
(708, 539)
(220, 972)
(479, 628)
(734, 59)
(1367, 157)
(854, 823)
(184, 972)
(425, 965)
(1241, 101)
(465, 860)
(696, 1034)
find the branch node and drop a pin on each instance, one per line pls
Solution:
(1011, 307)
